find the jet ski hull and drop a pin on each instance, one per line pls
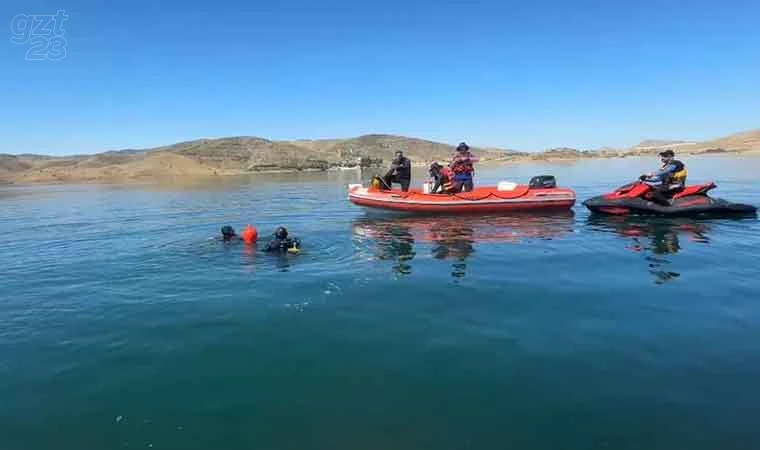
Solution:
(700, 205)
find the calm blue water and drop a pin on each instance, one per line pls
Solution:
(123, 326)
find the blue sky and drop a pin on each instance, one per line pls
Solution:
(526, 75)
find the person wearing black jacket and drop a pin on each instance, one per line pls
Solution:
(400, 171)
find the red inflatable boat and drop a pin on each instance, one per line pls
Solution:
(505, 197)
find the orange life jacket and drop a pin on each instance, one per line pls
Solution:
(447, 180)
(462, 163)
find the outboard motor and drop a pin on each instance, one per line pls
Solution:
(543, 182)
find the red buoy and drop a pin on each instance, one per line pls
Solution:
(249, 235)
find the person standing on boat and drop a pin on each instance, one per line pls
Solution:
(463, 166)
(400, 171)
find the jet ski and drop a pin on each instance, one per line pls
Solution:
(636, 198)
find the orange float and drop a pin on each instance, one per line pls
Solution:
(249, 235)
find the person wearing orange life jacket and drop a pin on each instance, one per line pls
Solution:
(444, 179)
(463, 166)
(669, 179)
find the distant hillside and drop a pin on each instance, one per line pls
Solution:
(657, 143)
(748, 141)
(736, 143)
(236, 155)
(13, 163)
(383, 146)
(562, 153)
(226, 156)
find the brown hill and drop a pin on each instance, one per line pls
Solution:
(657, 143)
(251, 154)
(562, 153)
(748, 141)
(382, 146)
(13, 163)
(248, 154)
(98, 169)
(227, 156)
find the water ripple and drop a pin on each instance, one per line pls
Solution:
(117, 302)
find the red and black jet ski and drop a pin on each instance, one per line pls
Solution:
(636, 198)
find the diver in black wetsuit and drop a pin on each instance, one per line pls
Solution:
(228, 234)
(282, 243)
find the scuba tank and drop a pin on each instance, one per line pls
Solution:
(378, 183)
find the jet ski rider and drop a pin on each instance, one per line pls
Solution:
(669, 179)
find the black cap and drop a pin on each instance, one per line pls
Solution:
(228, 231)
(280, 233)
(667, 152)
(462, 147)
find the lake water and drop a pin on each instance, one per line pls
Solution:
(122, 325)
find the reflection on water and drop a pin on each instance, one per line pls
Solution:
(123, 326)
(393, 241)
(452, 238)
(655, 237)
(454, 241)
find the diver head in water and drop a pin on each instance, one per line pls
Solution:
(228, 233)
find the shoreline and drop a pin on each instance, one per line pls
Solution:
(55, 180)
(247, 155)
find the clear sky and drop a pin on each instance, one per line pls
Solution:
(526, 75)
